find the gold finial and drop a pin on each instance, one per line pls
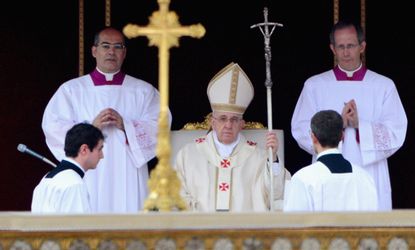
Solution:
(164, 31)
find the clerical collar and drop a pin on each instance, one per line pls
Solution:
(225, 150)
(335, 162)
(74, 163)
(345, 75)
(328, 151)
(100, 78)
(66, 163)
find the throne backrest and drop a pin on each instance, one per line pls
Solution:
(179, 138)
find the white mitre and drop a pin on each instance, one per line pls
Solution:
(230, 90)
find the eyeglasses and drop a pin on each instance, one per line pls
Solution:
(107, 46)
(223, 119)
(347, 46)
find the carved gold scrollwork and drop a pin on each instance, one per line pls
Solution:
(205, 125)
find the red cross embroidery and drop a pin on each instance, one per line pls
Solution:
(225, 163)
(200, 140)
(251, 143)
(223, 186)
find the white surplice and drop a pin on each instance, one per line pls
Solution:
(315, 188)
(119, 183)
(65, 192)
(382, 122)
(245, 177)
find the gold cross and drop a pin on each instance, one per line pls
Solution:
(164, 31)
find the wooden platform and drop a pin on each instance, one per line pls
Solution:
(187, 230)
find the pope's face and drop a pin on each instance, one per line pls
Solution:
(227, 126)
